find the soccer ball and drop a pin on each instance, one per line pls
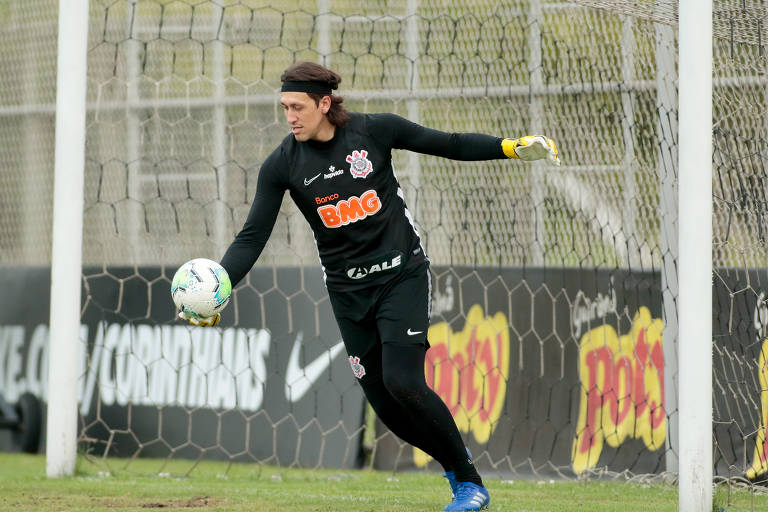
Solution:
(201, 288)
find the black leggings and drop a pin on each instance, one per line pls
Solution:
(395, 386)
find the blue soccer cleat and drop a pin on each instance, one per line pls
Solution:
(469, 496)
(451, 477)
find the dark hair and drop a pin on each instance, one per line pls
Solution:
(310, 72)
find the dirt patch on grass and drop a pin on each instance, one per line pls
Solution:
(197, 502)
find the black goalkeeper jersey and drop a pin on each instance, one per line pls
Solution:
(347, 190)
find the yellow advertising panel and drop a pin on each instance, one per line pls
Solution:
(760, 458)
(469, 369)
(622, 389)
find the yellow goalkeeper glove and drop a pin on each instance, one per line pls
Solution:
(200, 321)
(531, 147)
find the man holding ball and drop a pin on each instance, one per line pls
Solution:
(337, 166)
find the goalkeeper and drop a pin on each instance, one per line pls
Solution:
(337, 166)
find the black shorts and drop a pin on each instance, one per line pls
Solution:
(395, 312)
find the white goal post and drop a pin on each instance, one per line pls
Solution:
(66, 258)
(695, 256)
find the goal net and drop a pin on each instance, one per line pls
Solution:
(554, 310)
(740, 315)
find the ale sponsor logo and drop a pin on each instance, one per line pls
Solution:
(350, 210)
(469, 369)
(365, 270)
(622, 389)
(760, 457)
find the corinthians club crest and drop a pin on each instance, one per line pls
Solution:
(360, 165)
(357, 368)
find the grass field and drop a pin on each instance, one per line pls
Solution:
(214, 486)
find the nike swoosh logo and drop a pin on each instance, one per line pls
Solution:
(307, 182)
(299, 380)
(413, 333)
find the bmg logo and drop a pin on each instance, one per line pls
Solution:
(350, 210)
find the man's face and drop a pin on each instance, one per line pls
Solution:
(305, 117)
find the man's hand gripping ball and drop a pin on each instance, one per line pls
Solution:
(530, 148)
(199, 321)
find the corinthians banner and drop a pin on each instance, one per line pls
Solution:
(156, 387)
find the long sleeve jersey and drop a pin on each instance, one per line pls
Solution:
(347, 190)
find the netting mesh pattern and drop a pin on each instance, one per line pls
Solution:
(183, 108)
(182, 111)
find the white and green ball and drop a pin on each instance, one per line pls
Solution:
(201, 288)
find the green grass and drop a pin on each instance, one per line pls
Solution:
(214, 486)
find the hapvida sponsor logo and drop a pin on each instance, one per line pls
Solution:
(622, 389)
(469, 369)
(332, 173)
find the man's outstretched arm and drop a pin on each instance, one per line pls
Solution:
(404, 134)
